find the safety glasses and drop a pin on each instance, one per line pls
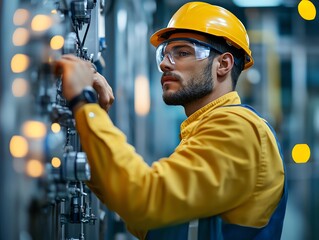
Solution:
(183, 50)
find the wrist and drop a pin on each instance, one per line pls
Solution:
(78, 106)
(88, 95)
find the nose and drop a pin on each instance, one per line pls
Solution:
(167, 63)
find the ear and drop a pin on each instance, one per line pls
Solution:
(226, 63)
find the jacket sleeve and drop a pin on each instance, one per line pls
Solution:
(206, 175)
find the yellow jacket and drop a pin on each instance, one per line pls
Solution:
(226, 164)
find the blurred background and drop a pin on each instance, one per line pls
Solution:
(283, 86)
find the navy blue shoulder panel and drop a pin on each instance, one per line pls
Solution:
(210, 228)
(177, 232)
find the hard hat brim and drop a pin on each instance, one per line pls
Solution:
(157, 38)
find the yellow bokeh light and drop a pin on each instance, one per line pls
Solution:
(56, 162)
(57, 42)
(34, 168)
(20, 37)
(307, 10)
(19, 146)
(301, 153)
(54, 11)
(41, 23)
(55, 127)
(20, 87)
(34, 129)
(20, 16)
(19, 63)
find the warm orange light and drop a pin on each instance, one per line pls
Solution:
(19, 146)
(20, 37)
(34, 168)
(54, 11)
(34, 129)
(55, 127)
(41, 23)
(20, 87)
(142, 100)
(56, 162)
(19, 63)
(20, 16)
(57, 42)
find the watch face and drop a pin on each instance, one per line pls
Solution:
(90, 95)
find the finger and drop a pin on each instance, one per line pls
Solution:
(59, 66)
(70, 57)
(94, 68)
(105, 92)
(102, 85)
(73, 59)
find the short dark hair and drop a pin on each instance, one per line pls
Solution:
(223, 46)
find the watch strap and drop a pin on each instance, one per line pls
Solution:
(87, 95)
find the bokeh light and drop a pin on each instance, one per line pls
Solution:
(56, 162)
(20, 17)
(57, 42)
(34, 168)
(41, 23)
(18, 146)
(142, 100)
(20, 87)
(307, 10)
(34, 129)
(301, 153)
(19, 63)
(55, 127)
(20, 37)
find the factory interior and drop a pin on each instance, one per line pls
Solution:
(42, 192)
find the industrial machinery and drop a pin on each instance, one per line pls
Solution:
(46, 151)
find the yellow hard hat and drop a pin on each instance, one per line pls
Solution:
(210, 19)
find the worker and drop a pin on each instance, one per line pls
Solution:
(226, 178)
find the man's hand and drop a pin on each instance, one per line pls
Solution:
(104, 91)
(77, 74)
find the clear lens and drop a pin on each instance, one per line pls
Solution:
(181, 51)
(160, 55)
(202, 52)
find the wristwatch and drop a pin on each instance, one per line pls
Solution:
(88, 95)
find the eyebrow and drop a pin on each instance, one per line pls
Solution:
(188, 40)
(179, 45)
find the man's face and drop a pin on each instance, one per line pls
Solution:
(185, 80)
(182, 87)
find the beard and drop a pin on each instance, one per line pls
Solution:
(196, 88)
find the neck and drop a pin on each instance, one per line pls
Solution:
(195, 105)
